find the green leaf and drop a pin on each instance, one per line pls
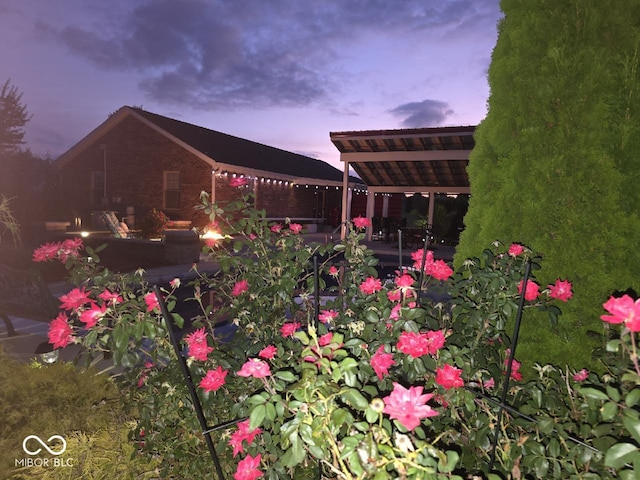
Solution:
(593, 393)
(620, 454)
(449, 463)
(609, 411)
(354, 398)
(257, 416)
(285, 375)
(633, 427)
(633, 397)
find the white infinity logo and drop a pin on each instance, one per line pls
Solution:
(44, 445)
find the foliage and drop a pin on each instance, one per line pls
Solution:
(13, 117)
(56, 399)
(153, 223)
(390, 380)
(9, 226)
(556, 171)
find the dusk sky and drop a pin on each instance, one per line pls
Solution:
(280, 72)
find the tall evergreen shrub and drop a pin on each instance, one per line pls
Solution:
(556, 162)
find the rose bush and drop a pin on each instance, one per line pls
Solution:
(397, 377)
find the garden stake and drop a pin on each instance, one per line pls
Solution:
(512, 352)
(189, 381)
(400, 250)
(316, 292)
(422, 264)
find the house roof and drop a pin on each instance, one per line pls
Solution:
(429, 159)
(222, 151)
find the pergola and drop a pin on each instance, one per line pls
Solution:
(423, 160)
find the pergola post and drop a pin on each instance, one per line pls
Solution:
(432, 205)
(371, 203)
(346, 200)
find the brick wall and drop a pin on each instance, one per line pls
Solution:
(137, 156)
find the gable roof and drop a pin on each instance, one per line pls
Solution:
(219, 149)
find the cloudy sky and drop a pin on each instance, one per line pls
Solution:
(280, 72)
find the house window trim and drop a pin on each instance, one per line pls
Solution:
(165, 189)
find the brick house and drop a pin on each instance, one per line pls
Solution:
(137, 160)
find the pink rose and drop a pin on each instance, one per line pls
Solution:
(237, 182)
(370, 286)
(531, 291)
(239, 288)
(449, 377)
(255, 368)
(381, 362)
(561, 290)
(296, 228)
(288, 329)
(623, 310)
(268, 352)
(581, 376)
(213, 380)
(408, 406)
(516, 249)
(361, 222)
(60, 332)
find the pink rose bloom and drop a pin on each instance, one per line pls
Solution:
(439, 270)
(395, 312)
(276, 228)
(255, 368)
(370, 285)
(381, 361)
(333, 271)
(93, 315)
(60, 332)
(581, 376)
(417, 258)
(152, 302)
(516, 249)
(239, 288)
(268, 352)
(404, 282)
(237, 182)
(213, 380)
(296, 228)
(248, 468)
(361, 222)
(327, 316)
(325, 339)
(110, 297)
(449, 377)
(197, 342)
(75, 299)
(515, 367)
(46, 252)
(243, 434)
(489, 383)
(69, 248)
(413, 344)
(435, 341)
(561, 290)
(531, 291)
(623, 310)
(408, 406)
(289, 328)
(394, 295)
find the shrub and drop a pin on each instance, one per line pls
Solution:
(153, 223)
(381, 382)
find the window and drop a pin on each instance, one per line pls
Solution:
(172, 190)
(97, 188)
